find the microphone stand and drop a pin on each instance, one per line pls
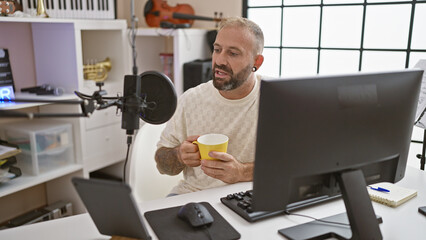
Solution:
(132, 100)
(134, 21)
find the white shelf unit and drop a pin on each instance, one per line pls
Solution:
(27, 181)
(53, 51)
(185, 44)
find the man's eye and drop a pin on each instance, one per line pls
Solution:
(233, 54)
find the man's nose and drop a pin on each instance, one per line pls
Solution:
(220, 59)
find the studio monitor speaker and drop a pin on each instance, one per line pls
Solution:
(196, 72)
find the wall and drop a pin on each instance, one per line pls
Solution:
(21, 52)
(204, 8)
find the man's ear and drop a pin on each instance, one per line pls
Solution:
(258, 61)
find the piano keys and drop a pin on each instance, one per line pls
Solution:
(74, 9)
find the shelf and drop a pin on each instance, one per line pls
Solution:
(188, 44)
(161, 32)
(23, 182)
(12, 106)
(34, 19)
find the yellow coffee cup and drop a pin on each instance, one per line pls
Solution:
(211, 142)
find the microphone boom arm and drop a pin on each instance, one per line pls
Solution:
(87, 103)
(87, 108)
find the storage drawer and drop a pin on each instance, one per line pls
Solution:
(46, 161)
(104, 146)
(101, 118)
(45, 145)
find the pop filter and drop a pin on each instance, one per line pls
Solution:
(159, 94)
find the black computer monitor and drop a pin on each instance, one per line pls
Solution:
(327, 135)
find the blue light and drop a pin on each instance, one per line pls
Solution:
(6, 93)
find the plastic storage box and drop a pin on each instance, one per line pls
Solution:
(45, 145)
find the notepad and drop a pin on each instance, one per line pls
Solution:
(397, 195)
(7, 151)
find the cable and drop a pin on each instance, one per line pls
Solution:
(82, 95)
(316, 219)
(206, 228)
(90, 97)
(129, 142)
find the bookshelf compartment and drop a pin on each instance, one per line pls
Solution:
(45, 145)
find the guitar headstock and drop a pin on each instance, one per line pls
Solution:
(7, 7)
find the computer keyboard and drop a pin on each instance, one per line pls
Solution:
(240, 203)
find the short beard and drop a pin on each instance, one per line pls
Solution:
(236, 80)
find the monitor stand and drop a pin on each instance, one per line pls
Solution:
(321, 230)
(360, 214)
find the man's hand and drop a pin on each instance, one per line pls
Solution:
(188, 152)
(172, 161)
(227, 168)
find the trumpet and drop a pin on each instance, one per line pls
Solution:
(41, 10)
(97, 72)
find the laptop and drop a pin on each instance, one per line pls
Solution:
(112, 207)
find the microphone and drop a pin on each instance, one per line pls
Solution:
(44, 89)
(131, 103)
(36, 88)
(150, 96)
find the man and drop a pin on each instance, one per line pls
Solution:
(228, 105)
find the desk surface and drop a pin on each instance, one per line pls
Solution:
(403, 222)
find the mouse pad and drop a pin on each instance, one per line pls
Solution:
(167, 225)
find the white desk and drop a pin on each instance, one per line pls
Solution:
(403, 222)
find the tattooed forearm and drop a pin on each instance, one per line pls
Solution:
(168, 162)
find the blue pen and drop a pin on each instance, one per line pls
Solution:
(379, 189)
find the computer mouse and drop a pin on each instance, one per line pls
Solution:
(196, 214)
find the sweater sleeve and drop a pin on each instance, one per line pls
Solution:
(175, 131)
